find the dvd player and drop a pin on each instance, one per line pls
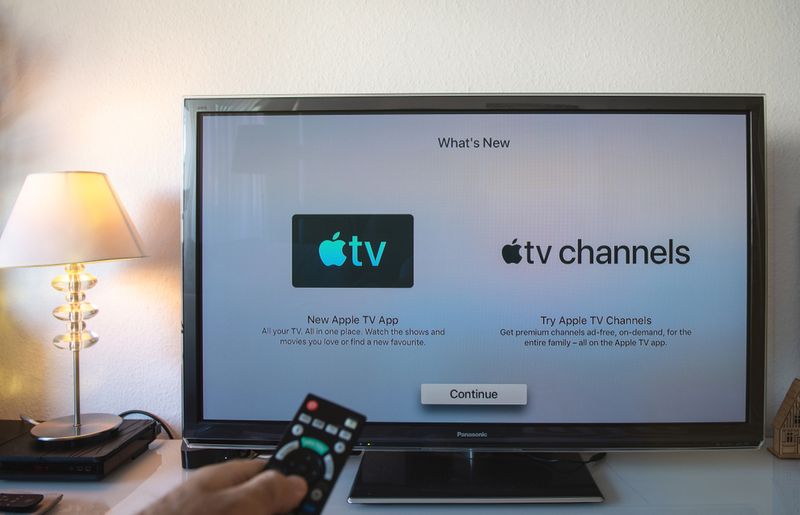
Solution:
(22, 457)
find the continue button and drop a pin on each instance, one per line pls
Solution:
(475, 394)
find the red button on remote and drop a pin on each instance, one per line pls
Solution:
(312, 405)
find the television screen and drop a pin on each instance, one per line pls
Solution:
(537, 272)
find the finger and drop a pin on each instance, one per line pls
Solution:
(227, 474)
(272, 491)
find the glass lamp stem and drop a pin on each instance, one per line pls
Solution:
(74, 283)
(76, 388)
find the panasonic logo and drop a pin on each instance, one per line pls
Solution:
(482, 434)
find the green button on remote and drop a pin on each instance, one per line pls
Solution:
(315, 445)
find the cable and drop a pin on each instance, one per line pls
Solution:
(148, 414)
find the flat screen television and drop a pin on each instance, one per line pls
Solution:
(491, 273)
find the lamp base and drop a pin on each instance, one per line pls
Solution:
(62, 429)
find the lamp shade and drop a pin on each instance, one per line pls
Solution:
(67, 217)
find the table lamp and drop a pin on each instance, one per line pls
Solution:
(70, 218)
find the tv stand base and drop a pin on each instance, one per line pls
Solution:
(472, 477)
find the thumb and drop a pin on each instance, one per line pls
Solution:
(273, 492)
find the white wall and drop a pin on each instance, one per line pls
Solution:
(101, 85)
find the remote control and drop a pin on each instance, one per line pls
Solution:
(316, 447)
(19, 502)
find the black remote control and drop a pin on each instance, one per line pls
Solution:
(19, 502)
(316, 447)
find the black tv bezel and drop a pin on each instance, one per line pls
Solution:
(500, 436)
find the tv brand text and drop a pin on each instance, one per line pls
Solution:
(481, 434)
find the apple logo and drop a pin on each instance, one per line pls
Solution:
(510, 252)
(330, 251)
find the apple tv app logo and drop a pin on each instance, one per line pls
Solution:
(352, 251)
(511, 252)
(331, 252)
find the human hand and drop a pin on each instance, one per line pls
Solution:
(238, 486)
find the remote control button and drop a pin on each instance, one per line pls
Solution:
(328, 459)
(322, 486)
(312, 405)
(297, 429)
(319, 424)
(309, 507)
(339, 447)
(305, 418)
(307, 464)
(351, 423)
(286, 449)
(316, 494)
(315, 445)
(280, 466)
(344, 434)
(331, 429)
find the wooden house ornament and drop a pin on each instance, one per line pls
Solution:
(786, 425)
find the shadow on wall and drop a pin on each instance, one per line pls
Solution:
(24, 61)
(22, 379)
(20, 65)
(162, 246)
(783, 294)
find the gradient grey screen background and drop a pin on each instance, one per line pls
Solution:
(604, 178)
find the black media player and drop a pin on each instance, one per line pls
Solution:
(22, 457)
